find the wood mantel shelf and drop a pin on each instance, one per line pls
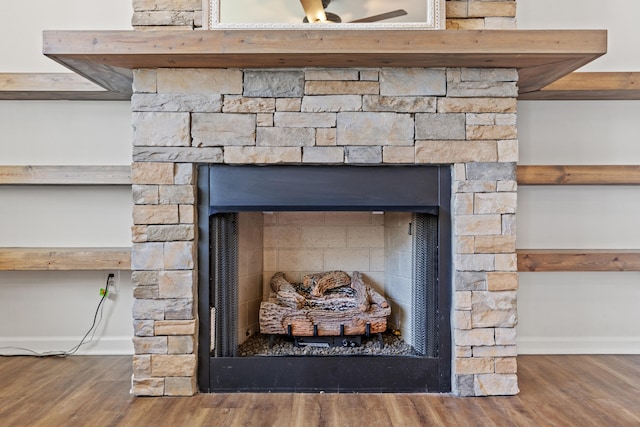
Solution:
(64, 259)
(622, 86)
(53, 86)
(65, 175)
(108, 57)
(560, 260)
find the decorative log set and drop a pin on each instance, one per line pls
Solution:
(325, 304)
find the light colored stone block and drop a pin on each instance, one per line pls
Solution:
(475, 133)
(241, 104)
(462, 301)
(440, 126)
(474, 337)
(496, 385)
(506, 262)
(369, 75)
(148, 309)
(474, 262)
(144, 81)
(177, 194)
(323, 236)
(331, 74)
(478, 225)
(175, 327)
(375, 129)
(200, 81)
(506, 365)
(506, 336)
(161, 129)
(142, 5)
(262, 155)
(176, 284)
(172, 18)
(465, 245)
(146, 256)
(150, 345)
(341, 88)
(304, 120)
(223, 129)
(179, 309)
(147, 387)
(187, 214)
(175, 365)
(462, 320)
(474, 365)
(180, 386)
(470, 281)
(285, 137)
(495, 244)
(179, 255)
(477, 105)
(151, 173)
(155, 214)
(288, 104)
(177, 102)
(491, 8)
(331, 103)
(412, 82)
(273, 83)
(399, 104)
(500, 281)
(326, 137)
(432, 152)
(363, 155)
(145, 194)
(494, 309)
(180, 344)
(323, 155)
(398, 155)
(264, 120)
(141, 365)
(173, 154)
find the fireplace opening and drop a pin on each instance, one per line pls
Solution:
(324, 278)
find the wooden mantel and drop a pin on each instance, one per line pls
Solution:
(107, 57)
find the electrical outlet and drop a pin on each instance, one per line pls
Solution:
(112, 279)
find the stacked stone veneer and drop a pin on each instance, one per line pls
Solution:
(461, 14)
(462, 117)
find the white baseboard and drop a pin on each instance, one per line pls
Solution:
(578, 345)
(100, 346)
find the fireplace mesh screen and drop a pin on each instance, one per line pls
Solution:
(223, 251)
(424, 284)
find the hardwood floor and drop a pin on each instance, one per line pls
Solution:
(94, 391)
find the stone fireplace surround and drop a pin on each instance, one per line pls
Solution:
(464, 117)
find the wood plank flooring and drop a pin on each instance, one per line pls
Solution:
(94, 391)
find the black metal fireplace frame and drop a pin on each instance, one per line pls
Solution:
(250, 189)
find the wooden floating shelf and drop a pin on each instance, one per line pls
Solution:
(590, 86)
(108, 57)
(64, 259)
(65, 175)
(552, 260)
(579, 175)
(53, 86)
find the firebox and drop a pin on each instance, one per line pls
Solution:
(386, 229)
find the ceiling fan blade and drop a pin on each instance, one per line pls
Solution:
(381, 17)
(314, 10)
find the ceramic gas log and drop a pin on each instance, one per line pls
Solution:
(324, 304)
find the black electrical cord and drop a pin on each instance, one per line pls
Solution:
(75, 348)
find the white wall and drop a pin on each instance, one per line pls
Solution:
(581, 312)
(48, 311)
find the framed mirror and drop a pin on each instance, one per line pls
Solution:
(324, 14)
